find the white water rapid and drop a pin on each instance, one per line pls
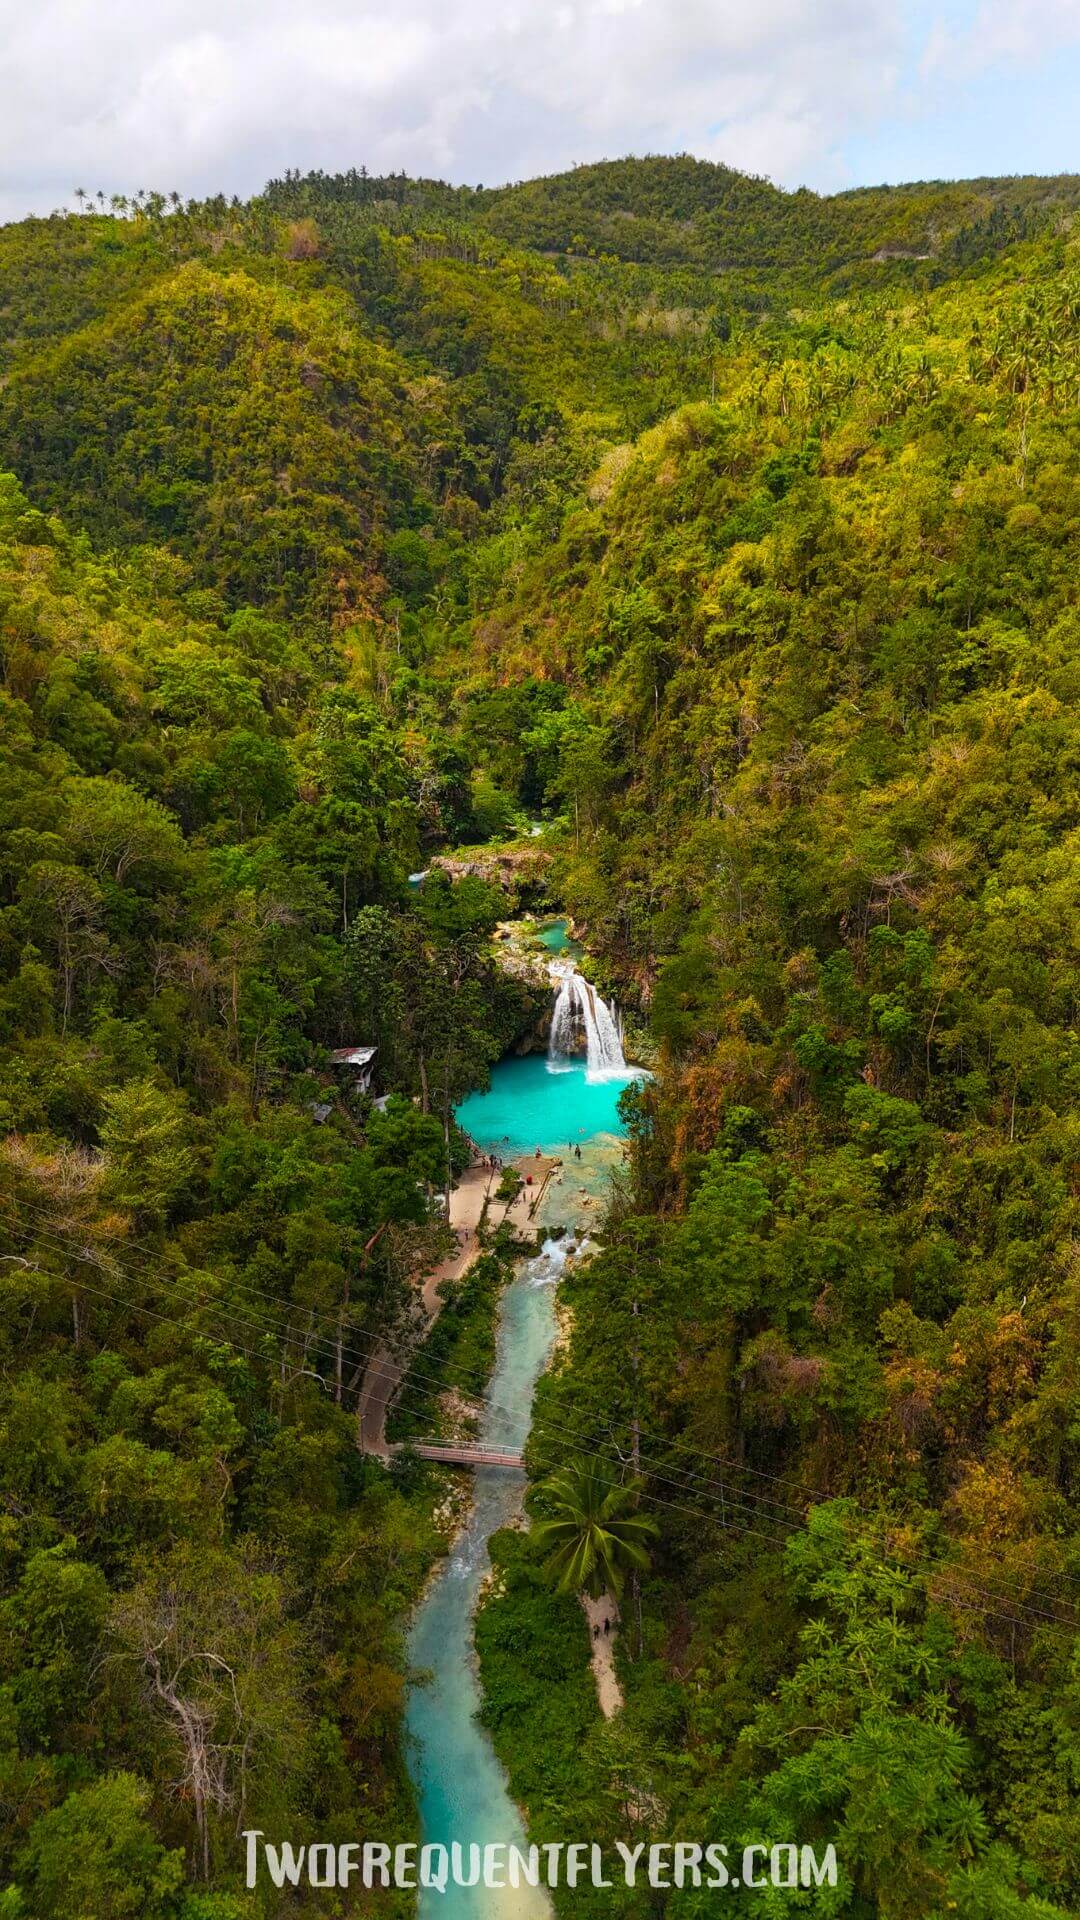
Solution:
(580, 1012)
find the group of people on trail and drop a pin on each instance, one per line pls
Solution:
(598, 1629)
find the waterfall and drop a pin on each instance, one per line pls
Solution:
(579, 1011)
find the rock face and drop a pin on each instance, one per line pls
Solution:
(532, 970)
(521, 871)
(515, 956)
(531, 966)
(535, 1038)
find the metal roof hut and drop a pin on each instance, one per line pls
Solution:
(359, 1059)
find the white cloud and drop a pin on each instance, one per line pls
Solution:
(999, 34)
(215, 95)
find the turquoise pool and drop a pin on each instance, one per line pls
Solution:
(529, 1106)
(559, 941)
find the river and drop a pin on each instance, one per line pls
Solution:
(460, 1785)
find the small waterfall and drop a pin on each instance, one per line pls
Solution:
(580, 1012)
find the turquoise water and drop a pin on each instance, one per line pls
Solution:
(460, 1785)
(556, 938)
(529, 1106)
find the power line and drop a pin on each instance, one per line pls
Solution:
(477, 1385)
(728, 1495)
(1024, 1614)
(272, 1327)
(771, 1511)
(369, 1353)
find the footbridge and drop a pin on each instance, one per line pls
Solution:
(451, 1456)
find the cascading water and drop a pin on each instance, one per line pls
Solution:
(460, 1784)
(461, 1788)
(579, 1011)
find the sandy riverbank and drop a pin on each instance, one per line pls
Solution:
(473, 1195)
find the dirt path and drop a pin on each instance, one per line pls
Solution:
(474, 1191)
(608, 1690)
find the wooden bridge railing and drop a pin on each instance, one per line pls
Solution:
(452, 1456)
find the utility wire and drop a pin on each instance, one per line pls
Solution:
(370, 1351)
(420, 1396)
(770, 1510)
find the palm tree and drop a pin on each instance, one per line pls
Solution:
(921, 382)
(593, 1534)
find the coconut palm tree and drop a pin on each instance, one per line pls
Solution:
(593, 1535)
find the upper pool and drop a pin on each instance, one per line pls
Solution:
(558, 940)
(529, 1106)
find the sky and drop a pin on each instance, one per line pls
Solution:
(206, 96)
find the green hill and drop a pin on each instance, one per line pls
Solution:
(732, 532)
(245, 423)
(678, 211)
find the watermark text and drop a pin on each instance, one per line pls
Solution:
(498, 1864)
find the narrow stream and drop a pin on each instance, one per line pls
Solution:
(460, 1785)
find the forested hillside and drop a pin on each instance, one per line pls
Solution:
(361, 522)
(680, 211)
(819, 755)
